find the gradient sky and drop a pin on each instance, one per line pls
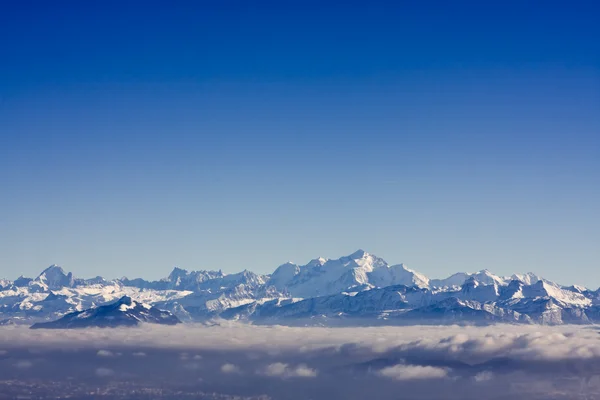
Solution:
(452, 136)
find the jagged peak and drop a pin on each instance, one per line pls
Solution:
(360, 253)
(288, 266)
(285, 264)
(177, 273)
(53, 268)
(317, 261)
(127, 300)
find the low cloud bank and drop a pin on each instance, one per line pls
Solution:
(408, 372)
(503, 361)
(285, 371)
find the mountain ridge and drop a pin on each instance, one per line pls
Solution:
(360, 285)
(123, 312)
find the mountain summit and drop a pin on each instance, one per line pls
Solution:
(358, 271)
(54, 277)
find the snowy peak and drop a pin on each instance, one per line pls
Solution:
(53, 270)
(357, 271)
(397, 274)
(358, 254)
(177, 274)
(363, 259)
(487, 278)
(484, 277)
(284, 274)
(54, 277)
(561, 296)
(317, 261)
(472, 289)
(408, 277)
(529, 278)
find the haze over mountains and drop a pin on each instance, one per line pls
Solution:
(357, 289)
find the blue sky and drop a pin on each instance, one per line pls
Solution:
(452, 136)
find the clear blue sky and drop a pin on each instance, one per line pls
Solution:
(452, 136)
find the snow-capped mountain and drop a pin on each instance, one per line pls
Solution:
(484, 276)
(358, 271)
(360, 287)
(124, 312)
(471, 303)
(54, 277)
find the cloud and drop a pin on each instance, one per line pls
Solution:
(410, 372)
(428, 362)
(186, 356)
(276, 369)
(230, 369)
(105, 353)
(483, 376)
(279, 369)
(304, 372)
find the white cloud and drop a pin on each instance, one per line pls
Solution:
(304, 372)
(483, 376)
(276, 369)
(285, 371)
(230, 369)
(403, 372)
(105, 353)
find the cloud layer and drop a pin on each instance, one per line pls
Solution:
(322, 363)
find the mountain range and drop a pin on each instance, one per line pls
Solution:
(357, 289)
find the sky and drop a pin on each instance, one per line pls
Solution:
(450, 136)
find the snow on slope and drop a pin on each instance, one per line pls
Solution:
(54, 278)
